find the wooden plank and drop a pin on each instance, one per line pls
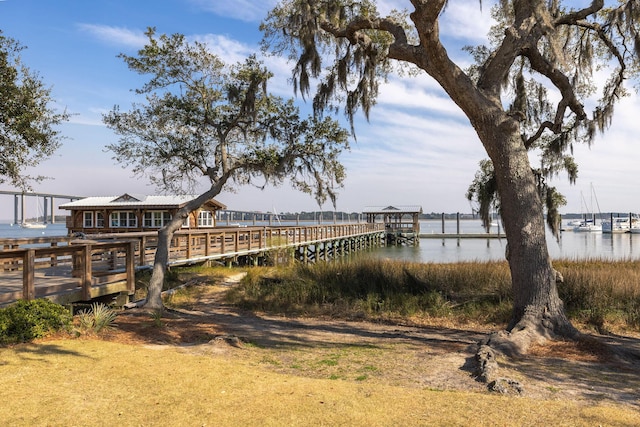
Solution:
(108, 278)
(9, 297)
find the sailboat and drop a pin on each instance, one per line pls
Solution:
(589, 224)
(26, 224)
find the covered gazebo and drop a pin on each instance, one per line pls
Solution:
(401, 223)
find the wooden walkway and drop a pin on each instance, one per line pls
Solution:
(67, 270)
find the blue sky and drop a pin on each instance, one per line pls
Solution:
(418, 148)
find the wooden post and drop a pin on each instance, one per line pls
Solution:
(54, 258)
(611, 221)
(85, 261)
(442, 222)
(458, 223)
(143, 249)
(131, 267)
(189, 242)
(28, 275)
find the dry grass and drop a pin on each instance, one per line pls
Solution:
(87, 382)
(130, 382)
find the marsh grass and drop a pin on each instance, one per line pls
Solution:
(380, 289)
(601, 294)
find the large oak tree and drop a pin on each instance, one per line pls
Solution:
(527, 93)
(203, 120)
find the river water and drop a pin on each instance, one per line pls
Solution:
(572, 245)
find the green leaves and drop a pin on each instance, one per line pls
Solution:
(202, 118)
(27, 122)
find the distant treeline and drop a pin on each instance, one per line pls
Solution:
(330, 215)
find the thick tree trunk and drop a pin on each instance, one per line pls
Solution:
(538, 312)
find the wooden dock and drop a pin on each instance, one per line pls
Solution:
(463, 236)
(66, 269)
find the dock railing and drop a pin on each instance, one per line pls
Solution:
(67, 269)
(73, 270)
(227, 242)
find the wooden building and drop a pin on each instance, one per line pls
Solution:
(132, 212)
(402, 224)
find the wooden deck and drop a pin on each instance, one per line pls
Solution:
(66, 269)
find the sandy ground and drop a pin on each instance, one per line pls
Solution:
(428, 357)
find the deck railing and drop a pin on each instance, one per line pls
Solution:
(234, 241)
(103, 262)
(88, 269)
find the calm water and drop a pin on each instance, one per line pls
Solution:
(8, 230)
(572, 245)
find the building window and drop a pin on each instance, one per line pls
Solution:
(205, 219)
(156, 219)
(124, 220)
(99, 220)
(87, 220)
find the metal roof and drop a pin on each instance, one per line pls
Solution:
(393, 209)
(134, 200)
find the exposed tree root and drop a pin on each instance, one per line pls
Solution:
(515, 343)
(488, 369)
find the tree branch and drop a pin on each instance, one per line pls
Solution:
(574, 17)
(560, 81)
(400, 49)
(544, 125)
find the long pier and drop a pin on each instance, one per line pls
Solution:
(68, 269)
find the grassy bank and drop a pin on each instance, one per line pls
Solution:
(602, 295)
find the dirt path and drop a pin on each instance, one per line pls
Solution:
(429, 357)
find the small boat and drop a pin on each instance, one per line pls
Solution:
(587, 225)
(33, 225)
(620, 224)
(635, 226)
(589, 222)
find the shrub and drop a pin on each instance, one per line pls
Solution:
(99, 318)
(26, 320)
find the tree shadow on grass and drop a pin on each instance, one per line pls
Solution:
(40, 352)
(555, 375)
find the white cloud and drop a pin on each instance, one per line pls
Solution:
(230, 51)
(115, 35)
(244, 10)
(420, 92)
(466, 21)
